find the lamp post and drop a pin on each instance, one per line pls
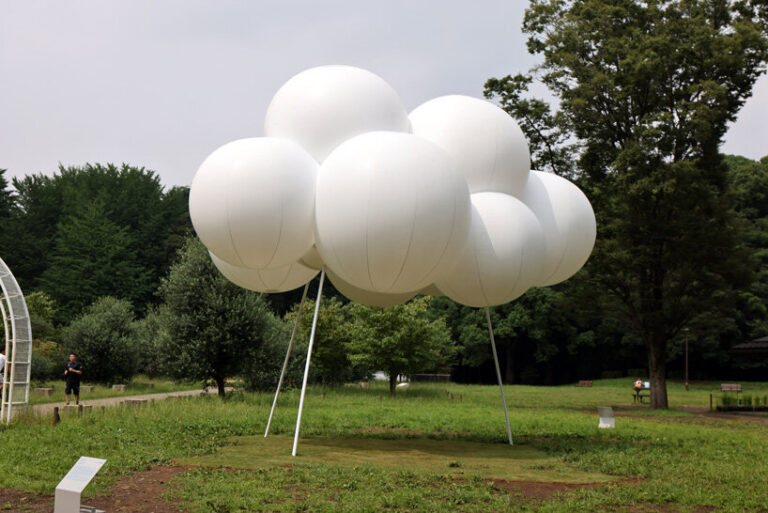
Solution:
(686, 330)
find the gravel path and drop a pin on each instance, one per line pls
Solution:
(47, 408)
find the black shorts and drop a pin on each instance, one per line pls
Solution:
(72, 388)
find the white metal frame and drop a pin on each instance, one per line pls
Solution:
(16, 316)
(287, 357)
(309, 356)
(498, 373)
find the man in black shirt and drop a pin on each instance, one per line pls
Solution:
(72, 375)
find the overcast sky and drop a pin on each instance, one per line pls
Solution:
(161, 84)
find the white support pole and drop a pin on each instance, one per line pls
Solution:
(4, 393)
(287, 357)
(498, 373)
(306, 367)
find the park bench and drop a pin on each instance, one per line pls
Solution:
(44, 391)
(640, 396)
(584, 383)
(119, 388)
(86, 388)
(732, 387)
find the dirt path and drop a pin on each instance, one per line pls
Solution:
(140, 493)
(47, 408)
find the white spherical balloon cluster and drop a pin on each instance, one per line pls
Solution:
(440, 201)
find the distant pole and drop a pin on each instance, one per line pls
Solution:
(306, 367)
(686, 330)
(498, 373)
(287, 357)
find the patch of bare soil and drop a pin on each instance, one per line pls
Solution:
(141, 492)
(19, 502)
(533, 490)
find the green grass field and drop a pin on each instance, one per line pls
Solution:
(433, 448)
(138, 385)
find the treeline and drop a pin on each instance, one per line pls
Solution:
(112, 271)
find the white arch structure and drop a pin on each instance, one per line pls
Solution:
(18, 344)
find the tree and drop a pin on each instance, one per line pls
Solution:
(93, 257)
(647, 90)
(133, 200)
(399, 340)
(211, 327)
(101, 338)
(330, 359)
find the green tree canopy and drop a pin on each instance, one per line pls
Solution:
(102, 337)
(646, 90)
(212, 327)
(399, 340)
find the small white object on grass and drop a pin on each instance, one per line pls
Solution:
(67, 498)
(403, 385)
(607, 420)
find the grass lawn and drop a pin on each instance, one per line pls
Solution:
(138, 385)
(433, 448)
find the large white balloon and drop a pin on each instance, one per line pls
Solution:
(252, 202)
(278, 279)
(502, 259)
(392, 213)
(367, 297)
(488, 145)
(322, 107)
(568, 224)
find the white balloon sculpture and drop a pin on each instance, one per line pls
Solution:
(390, 204)
(441, 201)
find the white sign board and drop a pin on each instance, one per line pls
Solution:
(607, 420)
(67, 499)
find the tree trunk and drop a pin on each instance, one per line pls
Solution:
(657, 364)
(220, 385)
(392, 383)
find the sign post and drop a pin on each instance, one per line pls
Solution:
(67, 498)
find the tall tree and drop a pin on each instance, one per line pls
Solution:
(647, 89)
(93, 257)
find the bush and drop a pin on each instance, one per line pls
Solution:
(101, 338)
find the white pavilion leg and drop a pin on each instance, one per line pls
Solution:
(287, 357)
(498, 373)
(306, 367)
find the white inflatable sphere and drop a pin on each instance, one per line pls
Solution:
(252, 202)
(489, 148)
(392, 213)
(568, 222)
(502, 258)
(276, 279)
(431, 290)
(367, 297)
(312, 259)
(322, 107)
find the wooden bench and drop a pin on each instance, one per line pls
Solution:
(119, 388)
(44, 391)
(584, 383)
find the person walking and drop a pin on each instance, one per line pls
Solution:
(72, 375)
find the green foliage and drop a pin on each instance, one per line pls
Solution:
(399, 340)
(210, 328)
(101, 337)
(42, 311)
(647, 91)
(52, 217)
(93, 257)
(330, 353)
